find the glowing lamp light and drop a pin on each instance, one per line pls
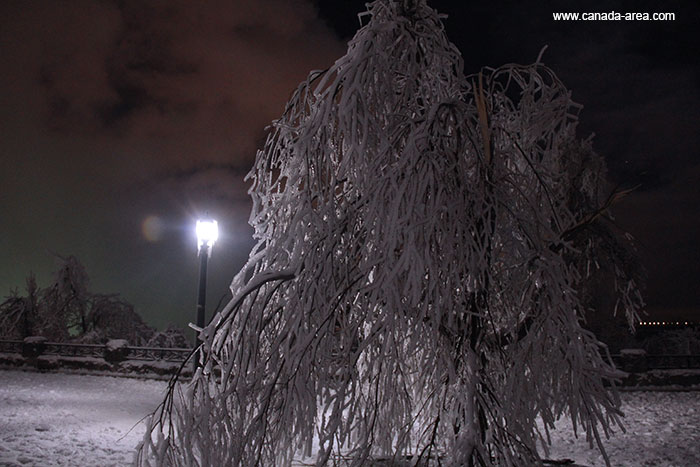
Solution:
(207, 234)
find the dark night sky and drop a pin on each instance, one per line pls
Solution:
(122, 121)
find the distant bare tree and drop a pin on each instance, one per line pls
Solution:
(171, 337)
(20, 316)
(66, 301)
(111, 317)
(416, 286)
(67, 310)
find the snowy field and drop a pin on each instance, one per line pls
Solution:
(55, 419)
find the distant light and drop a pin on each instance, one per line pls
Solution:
(207, 234)
(665, 323)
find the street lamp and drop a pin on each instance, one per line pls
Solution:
(207, 233)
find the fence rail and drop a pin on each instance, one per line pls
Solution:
(73, 350)
(66, 349)
(641, 362)
(668, 362)
(159, 353)
(7, 346)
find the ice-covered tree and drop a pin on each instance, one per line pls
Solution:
(66, 300)
(20, 316)
(66, 310)
(111, 317)
(170, 337)
(52, 312)
(423, 237)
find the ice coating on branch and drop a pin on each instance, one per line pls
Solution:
(415, 289)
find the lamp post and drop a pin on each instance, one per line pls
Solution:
(207, 233)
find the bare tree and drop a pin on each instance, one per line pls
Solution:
(415, 288)
(111, 317)
(66, 309)
(170, 337)
(66, 301)
(20, 316)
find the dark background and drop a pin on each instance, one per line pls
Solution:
(122, 122)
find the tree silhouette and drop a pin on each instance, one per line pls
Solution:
(111, 317)
(66, 301)
(20, 317)
(415, 285)
(66, 310)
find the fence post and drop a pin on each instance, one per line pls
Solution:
(33, 346)
(116, 350)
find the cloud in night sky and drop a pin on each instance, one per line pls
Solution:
(185, 83)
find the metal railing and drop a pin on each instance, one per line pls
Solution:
(10, 346)
(645, 362)
(73, 350)
(669, 362)
(67, 349)
(158, 353)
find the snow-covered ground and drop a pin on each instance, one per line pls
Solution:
(663, 430)
(56, 419)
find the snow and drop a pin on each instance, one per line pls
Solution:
(152, 369)
(633, 352)
(116, 344)
(34, 340)
(663, 429)
(58, 419)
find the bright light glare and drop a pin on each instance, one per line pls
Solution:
(207, 233)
